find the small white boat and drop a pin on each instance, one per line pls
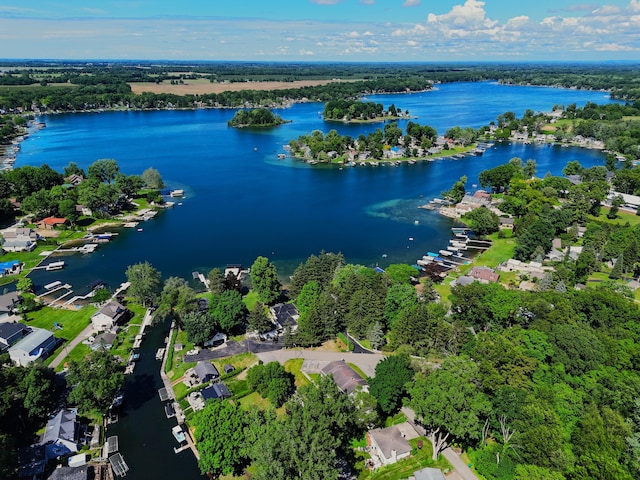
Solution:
(178, 434)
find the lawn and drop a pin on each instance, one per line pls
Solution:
(254, 400)
(358, 370)
(72, 321)
(294, 366)
(419, 459)
(250, 299)
(621, 218)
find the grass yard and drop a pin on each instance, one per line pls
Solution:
(395, 419)
(250, 299)
(294, 366)
(419, 459)
(242, 360)
(254, 400)
(72, 321)
(621, 218)
(358, 370)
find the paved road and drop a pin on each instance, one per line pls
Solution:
(366, 362)
(234, 348)
(83, 335)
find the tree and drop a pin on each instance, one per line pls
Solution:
(199, 326)
(95, 381)
(376, 336)
(401, 273)
(616, 203)
(399, 297)
(40, 391)
(228, 310)
(216, 281)
(264, 280)
(177, 299)
(457, 190)
(572, 168)
(152, 179)
(258, 319)
(388, 385)
(482, 221)
(529, 168)
(498, 178)
(219, 434)
(618, 268)
(145, 282)
(103, 170)
(24, 284)
(271, 381)
(128, 185)
(448, 403)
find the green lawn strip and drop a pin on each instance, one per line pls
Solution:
(419, 459)
(358, 370)
(294, 366)
(395, 419)
(240, 361)
(250, 299)
(254, 400)
(78, 354)
(365, 343)
(315, 377)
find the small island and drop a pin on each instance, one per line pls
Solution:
(257, 117)
(356, 111)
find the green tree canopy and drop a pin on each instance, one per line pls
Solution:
(389, 384)
(145, 283)
(264, 280)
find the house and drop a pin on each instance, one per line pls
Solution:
(104, 341)
(8, 304)
(463, 281)
(19, 240)
(50, 223)
(390, 444)
(39, 343)
(285, 314)
(506, 223)
(345, 377)
(11, 333)
(74, 179)
(484, 274)
(83, 472)
(12, 267)
(429, 474)
(215, 391)
(228, 368)
(206, 371)
(62, 434)
(109, 316)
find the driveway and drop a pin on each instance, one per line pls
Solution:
(366, 362)
(83, 335)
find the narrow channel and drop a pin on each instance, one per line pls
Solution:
(144, 433)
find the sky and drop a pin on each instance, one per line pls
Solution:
(321, 30)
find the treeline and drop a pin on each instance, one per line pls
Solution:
(353, 110)
(257, 117)
(118, 95)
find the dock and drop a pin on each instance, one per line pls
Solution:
(119, 466)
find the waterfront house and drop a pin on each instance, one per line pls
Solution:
(51, 223)
(206, 371)
(388, 445)
(8, 304)
(345, 377)
(38, 343)
(216, 391)
(12, 267)
(19, 240)
(285, 314)
(484, 274)
(110, 315)
(506, 223)
(11, 333)
(104, 341)
(83, 472)
(61, 436)
(74, 179)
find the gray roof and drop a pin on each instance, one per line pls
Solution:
(429, 474)
(389, 439)
(104, 340)
(345, 377)
(204, 369)
(111, 309)
(69, 473)
(34, 340)
(9, 330)
(61, 427)
(8, 301)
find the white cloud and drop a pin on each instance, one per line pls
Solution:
(471, 14)
(412, 43)
(353, 34)
(411, 3)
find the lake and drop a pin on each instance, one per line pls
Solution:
(242, 202)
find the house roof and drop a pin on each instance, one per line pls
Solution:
(8, 300)
(34, 340)
(203, 369)
(345, 377)
(429, 474)
(286, 314)
(104, 340)
(111, 309)
(484, 273)
(389, 439)
(53, 221)
(70, 473)
(506, 221)
(10, 330)
(217, 390)
(61, 427)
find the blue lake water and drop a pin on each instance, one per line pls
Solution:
(242, 202)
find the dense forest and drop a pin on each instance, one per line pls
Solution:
(258, 117)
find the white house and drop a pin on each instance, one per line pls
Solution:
(37, 344)
(391, 444)
(108, 316)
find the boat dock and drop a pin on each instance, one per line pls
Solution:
(119, 466)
